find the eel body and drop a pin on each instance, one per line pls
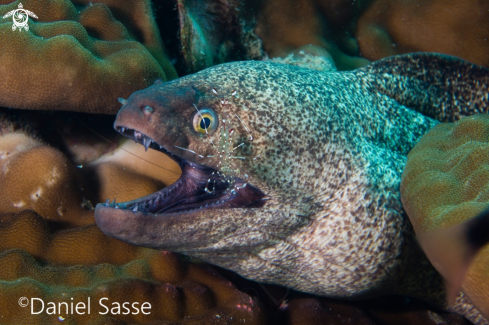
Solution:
(312, 201)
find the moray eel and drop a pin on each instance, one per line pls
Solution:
(291, 176)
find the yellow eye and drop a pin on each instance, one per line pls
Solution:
(205, 119)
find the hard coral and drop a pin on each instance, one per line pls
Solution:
(78, 56)
(76, 264)
(75, 261)
(38, 177)
(445, 182)
(459, 28)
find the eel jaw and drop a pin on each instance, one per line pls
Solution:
(189, 193)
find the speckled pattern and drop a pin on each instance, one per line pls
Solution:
(332, 148)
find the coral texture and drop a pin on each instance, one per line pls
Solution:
(459, 28)
(354, 31)
(55, 252)
(445, 182)
(38, 177)
(79, 56)
(82, 262)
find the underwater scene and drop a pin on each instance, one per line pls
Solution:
(294, 162)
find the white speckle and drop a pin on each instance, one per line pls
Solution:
(36, 194)
(53, 177)
(19, 204)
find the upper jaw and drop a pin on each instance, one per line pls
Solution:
(146, 141)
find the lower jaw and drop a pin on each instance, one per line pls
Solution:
(199, 187)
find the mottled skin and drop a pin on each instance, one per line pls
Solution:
(332, 148)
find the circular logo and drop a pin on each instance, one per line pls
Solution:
(23, 302)
(20, 18)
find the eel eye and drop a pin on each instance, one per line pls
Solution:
(205, 119)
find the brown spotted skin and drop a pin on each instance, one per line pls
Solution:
(332, 148)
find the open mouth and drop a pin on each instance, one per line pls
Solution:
(199, 187)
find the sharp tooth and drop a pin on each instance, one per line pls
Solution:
(206, 205)
(146, 143)
(135, 208)
(117, 206)
(123, 129)
(107, 203)
(113, 203)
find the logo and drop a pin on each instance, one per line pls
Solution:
(20, 17)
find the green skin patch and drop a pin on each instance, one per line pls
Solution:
(313, 201)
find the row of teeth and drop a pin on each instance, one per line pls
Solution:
(146, 141)
(153, 201)
(161, 195)
(138, 135)
(202, 206)
(138, 206)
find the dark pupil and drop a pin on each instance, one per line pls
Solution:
(205, 123)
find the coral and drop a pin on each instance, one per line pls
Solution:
(459, 28)
(38, 177)
(445, 182)
(354, 31)
(82, 262)
(58, 253)
(80, 56)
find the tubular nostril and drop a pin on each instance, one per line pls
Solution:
(148, 110)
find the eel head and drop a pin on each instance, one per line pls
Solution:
(226, 196)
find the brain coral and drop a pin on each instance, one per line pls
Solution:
(80, 56)
(446, 181)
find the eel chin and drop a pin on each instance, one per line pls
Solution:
(199, 187)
